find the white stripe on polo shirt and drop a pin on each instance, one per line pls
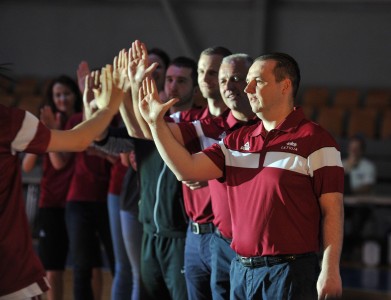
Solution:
(204, 140)
(26, 133)
(324, 157)
(287, 161)
(240, 159)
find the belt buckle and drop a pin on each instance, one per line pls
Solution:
(195, 228)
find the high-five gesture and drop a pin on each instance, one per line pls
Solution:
(91, 82)
(151, 107)
(139, 68)
(120, 71)
(49, 118)
(108, 95)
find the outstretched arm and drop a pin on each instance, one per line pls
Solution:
(138, 70)
(329, 283)
(80, 137)
(196, 167)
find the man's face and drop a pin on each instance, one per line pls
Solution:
(232, 81)
(262, 89)
(179, 84)
(355, 149)
(159, 73)
(208, 70)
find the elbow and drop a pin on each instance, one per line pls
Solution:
(184, 176)
(26, 169)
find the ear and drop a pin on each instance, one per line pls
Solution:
(286, 86)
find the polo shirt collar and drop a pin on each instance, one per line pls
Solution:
(290, 123)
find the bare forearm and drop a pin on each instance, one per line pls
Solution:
(29, 161)
(146, 132)
(185, 166)
(81, 136)
(129, 118)
(332, 238)
(329, 282)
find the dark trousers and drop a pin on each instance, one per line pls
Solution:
(197, 265)
(221, 258)
(162, 267)
(294, 280)
(87, 225)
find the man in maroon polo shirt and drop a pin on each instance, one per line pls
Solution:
(285, 184)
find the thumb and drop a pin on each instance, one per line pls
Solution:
(170, 103)
(150, 69)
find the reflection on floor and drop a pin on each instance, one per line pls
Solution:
(362, 282)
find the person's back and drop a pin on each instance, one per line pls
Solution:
(19, 265)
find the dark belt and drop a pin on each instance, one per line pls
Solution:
(201, 228)
(262, 261)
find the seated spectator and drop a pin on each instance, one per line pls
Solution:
(360, 179)
(360, 173)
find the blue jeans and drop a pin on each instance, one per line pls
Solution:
(221, 257)
(121, 288)
(197, 265)
(86, 221)
(132, 233)
(294, 280)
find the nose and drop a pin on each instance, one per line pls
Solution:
(204, 77)
(249, 89)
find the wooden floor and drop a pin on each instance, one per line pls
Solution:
(107, 280)
(348, 293)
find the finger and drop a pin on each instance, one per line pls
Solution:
(151, 68)
(144, 52)
(96, 79)
(148, 85)
(133, 51)
(144, 87)
(115, 62)
(141, 93)
(103, 82)
(138, 48)
(153, 87)
(109, 80)
(123, 59)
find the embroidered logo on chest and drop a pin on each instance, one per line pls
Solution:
(292, 146)
(245, 147)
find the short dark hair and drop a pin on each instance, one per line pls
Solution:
(162, 54)
(361, 139)
(216, 50)
(72, 85)
(286, 67)
(185, 62)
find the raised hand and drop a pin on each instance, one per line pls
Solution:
(91, 83)
(151, 107)
(107, 95)
(120, 73)
(51, 120)
(82, 71)
(138, 67)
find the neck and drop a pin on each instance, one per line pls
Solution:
(240, 116)
(216, 106)
(185, 106)
(272, 118)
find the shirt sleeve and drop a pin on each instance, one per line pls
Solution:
(190, 137)
(216, 154)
